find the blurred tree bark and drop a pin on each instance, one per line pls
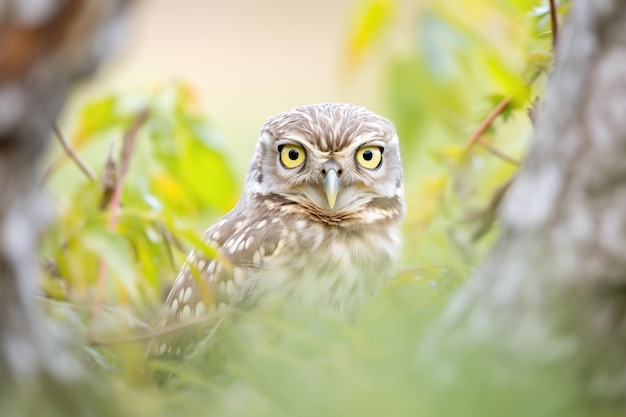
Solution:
(44, 46)
(553, 290)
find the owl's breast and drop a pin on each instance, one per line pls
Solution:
(331, 268)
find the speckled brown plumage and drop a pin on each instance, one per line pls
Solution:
(317, 223)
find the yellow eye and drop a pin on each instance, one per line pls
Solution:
(370, 157)
(291, 156)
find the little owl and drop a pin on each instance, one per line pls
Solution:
(317, 224)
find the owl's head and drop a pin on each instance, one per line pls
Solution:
(332, 161)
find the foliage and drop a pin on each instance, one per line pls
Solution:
(108, 266)
(110, 263)
(464, 60)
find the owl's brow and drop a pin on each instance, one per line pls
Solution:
(299, 139)
(331, 132)
(369, 137)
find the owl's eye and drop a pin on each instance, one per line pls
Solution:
(370, 157)
(291, 156)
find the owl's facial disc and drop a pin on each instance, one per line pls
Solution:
(336, 161)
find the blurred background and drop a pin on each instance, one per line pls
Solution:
(209, 73)
(181, 105)
(247, 60)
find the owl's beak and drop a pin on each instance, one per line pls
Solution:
(331, 186)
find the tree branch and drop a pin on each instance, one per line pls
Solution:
(554, 22)
(492, 150)
(44, 47)
(82, 165)
(487, 122)
(128, 147)
(550, 296)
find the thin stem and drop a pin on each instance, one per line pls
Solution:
(488, 121)
(216, 320)
(554, 22)
(498, 153)
(73, 154)
(495, 113)
(128, 147)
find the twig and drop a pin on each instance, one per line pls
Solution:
(497, 153)
(72, 153)
(488, 215)
(554, 22)
(494, 113)
(128, 147)
(50, 170)
(487, 122)
(109, 180)
(218, 318)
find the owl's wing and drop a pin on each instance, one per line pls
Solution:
(188, 302)
(209, 284)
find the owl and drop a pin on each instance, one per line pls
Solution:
(317, 223)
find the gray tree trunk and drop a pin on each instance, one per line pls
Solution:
(44, 46)
(552, 293)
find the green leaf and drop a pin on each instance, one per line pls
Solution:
(374, 17)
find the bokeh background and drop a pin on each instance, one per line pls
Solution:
(247, 60)
(193, 82)
(209, 73)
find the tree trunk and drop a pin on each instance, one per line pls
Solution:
(552, 293)
(44, 46)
